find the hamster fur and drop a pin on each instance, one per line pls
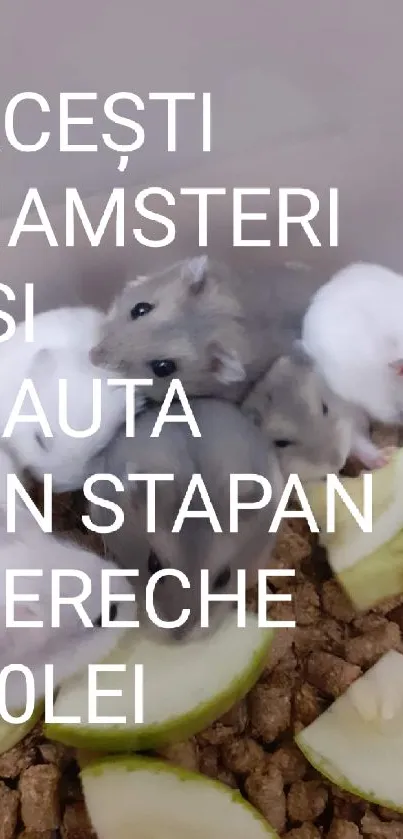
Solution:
(354, 330)
(229, 443)
(62, 339)
(64, 456)
(201, 321)
(66, 328)
(72, 646)
(309, 426)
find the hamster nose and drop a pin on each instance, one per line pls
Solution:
(180, 632)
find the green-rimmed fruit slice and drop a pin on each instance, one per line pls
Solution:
(185, 687)
(358, 742)
(369, 566)
(142, 797)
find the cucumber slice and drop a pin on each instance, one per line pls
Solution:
(147, 798)
(369, 566)
(186, 687)
(358, 742)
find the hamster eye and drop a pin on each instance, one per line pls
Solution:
(154, 564)
(163, 367)
(325, 409)
(222, 578)
(282, 444)
(113, 612)
(141, 309)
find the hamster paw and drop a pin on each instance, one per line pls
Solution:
(387, 453)
(382, 458)
(369, 454)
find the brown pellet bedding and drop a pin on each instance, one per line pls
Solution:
(251, 747)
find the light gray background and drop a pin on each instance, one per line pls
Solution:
(304, 93)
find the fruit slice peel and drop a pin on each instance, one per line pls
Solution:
(369, 566)
(186, 687)
(357, 743)
(129, 796)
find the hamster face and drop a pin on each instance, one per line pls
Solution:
(181, 323)
(305, 421)
(195, 548)
(229, 444)
(64, 456)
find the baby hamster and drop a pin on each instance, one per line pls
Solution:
(229, 443)
(353, 329)
(72, 646)
(66, 328)
(198, 320)
(66, 457)
(62, 339)
(307, 423)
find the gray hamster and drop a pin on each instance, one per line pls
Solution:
(309, 425)
(229, 443)
(200, 321)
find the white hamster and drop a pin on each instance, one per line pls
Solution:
(72, 646)
(62, 339)
(353, 329)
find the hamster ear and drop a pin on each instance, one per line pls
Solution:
(225, 364)
(22, 612)
(195, 272)
(300, 353)
(28, 611)
(277, 368)
(397, 366)
(138, 280)
(43, 362)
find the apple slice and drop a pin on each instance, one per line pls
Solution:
(137, 796)
(369, 566)
(13, 733)
(186, 687)
(358, 742)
